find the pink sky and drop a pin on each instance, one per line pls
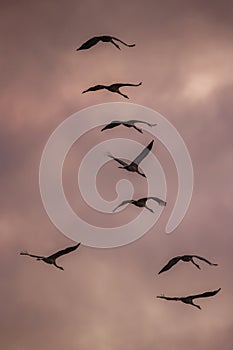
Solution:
(105, 299)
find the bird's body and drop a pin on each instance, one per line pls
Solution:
(112, 88)
(141, 202)
(128, 124)
(51, 259)
(134, 165)
(185, 258)
(104, 38)
(189, 299)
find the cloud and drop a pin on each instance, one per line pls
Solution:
(106, 298)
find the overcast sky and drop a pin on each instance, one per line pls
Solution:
(106, 298)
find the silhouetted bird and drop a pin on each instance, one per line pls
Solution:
(142, 203)
(128, 124)
(185, 258)
(133, 166)
(189, 299)
(112, 88)
(52, 258)
(105, 38)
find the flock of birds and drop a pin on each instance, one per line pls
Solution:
(188, 299)
(51, 259)
(132, 166)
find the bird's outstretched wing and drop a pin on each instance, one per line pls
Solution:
(158, 200)
(129, 123)
(133, 121)
(64, 251)
(205, 294)
(123, 203)
(94, 88)
(117, 159)
(143, 154)
(89, 43)
(118, 85)
(205, 260)
(111, 125)
(32, 255)
(170, 263)
(129, 45)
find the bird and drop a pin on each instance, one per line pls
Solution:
(104, 38)
(185, 258)
(112, 88)
(189, 299)
(133, 166)
(128, 124)
(51, 259)
(142, 203)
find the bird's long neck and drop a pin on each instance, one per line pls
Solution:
(136, 128)
(59, 267)
(192, 303)
(140, 173)
(195, 263)
(152, 211)
(119, 92)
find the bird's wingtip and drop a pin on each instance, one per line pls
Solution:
(151, 144)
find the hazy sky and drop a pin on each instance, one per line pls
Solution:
(105, 298)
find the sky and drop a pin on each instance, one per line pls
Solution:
(106, 298)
